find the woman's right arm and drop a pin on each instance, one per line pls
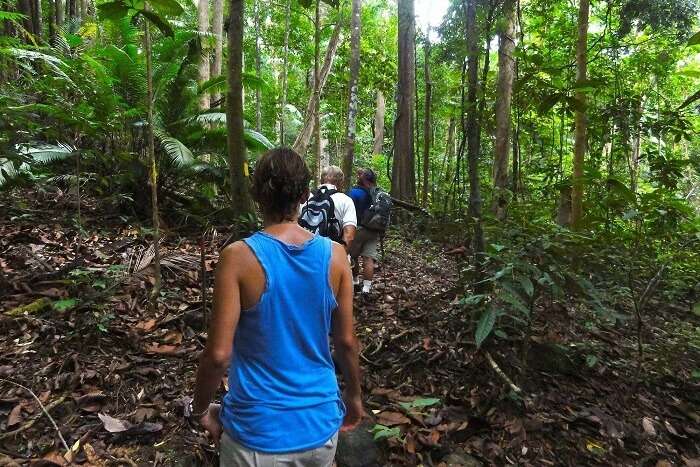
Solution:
(345, 342)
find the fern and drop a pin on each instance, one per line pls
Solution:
(48, 153)
(179, 154)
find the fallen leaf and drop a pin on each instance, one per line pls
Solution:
(91, 402)
(144, 413)
(695, 462)
(664, 463)
(15, 416)
(161, 349)
(672, 430)
(392, 418)
(426, 343)
(145, 326)
(173, 337)
(114, 425)
(648, 426)
(90, 454)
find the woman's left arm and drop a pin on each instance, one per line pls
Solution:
(216, 356)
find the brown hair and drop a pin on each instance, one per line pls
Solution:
(280, 180)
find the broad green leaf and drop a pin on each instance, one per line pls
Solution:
(256, 140)
(527, 286)
(472, 300)
(419, 403)
(381, 431)
(690, 100)
(161, 23)
(694, 39)
(620, 188)
(113, 10)
(591, 360)
(485, 326)
(65, 305)
(696, 309)
(167, 7)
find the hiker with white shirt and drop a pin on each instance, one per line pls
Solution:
(329, 212)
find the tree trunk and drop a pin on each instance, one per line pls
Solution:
(285, 60)
(60, 13)
(403, 177)
(473, 136)
(315, 90)
(72, 9)
(237, 159)
(217, 27)
(36, 18)
(203, 28)
(377, 147)
(152, 162)
(354, 76)
(504, 90)
(83, 9)
(580, 116)
(301, 145)
(426, 124)
(24, 7)
(258, 103)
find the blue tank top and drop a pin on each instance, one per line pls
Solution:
(283, 393)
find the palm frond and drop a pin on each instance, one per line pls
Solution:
(220, 84)
(52, 62)
(47, 153)
(174, 148)
(211, 118)
(8, 170)
(140, 261)
(256, 141)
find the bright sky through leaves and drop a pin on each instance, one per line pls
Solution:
(429, 13)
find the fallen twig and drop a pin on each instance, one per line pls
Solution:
(500, 373)
(44, 409)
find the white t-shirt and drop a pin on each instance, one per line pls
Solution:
(344, 207)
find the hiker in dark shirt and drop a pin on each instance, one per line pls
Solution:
(366, 241)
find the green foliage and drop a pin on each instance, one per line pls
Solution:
(384, 432)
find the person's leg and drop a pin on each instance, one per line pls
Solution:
(356, 248)
(369, 255)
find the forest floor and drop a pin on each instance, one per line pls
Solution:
(112, 372)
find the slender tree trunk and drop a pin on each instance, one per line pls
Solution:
(473, 136)
(83, 9)
(504, 92)
(426, 124)
(285, 61)
(36, 18)
(580, 116)
(354, 77)
(152, 162)
(403, 177)
(203, 28)
(237, 159)
(377, 147)
(258, 103)
(60, 13)
(52, 19)
(72, 9)
(217, 27)
(301, 145)
(634, 154)
(316, 91)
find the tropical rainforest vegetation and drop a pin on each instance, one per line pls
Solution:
(543, 154)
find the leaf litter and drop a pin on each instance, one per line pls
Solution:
(123, 371)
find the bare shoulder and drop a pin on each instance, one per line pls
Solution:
(339, 257)
(236, 255)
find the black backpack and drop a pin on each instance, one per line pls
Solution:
(378, 216)
(318, 215)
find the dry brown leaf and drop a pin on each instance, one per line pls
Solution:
(15, 416)
(161, 349)
(145, 326)
(695, 462)
(392, 418)
(114, 425)
(92, 402)
(173, 337)
(648, 426)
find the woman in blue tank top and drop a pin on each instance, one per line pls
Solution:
(278, 295)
